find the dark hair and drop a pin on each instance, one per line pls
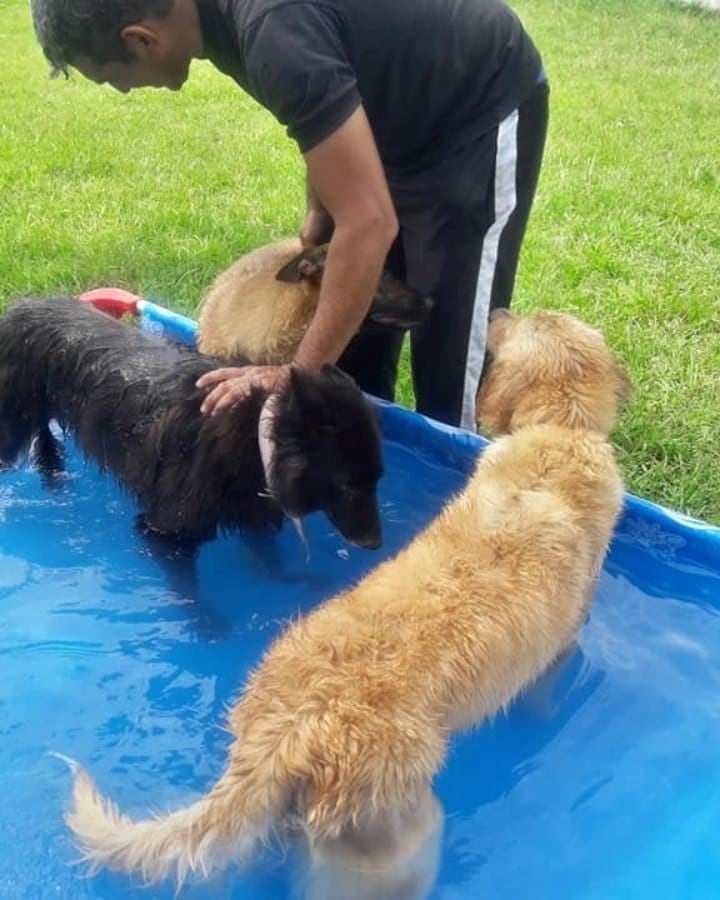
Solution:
(68, 30)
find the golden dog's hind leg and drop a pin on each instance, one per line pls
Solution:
(392, 857)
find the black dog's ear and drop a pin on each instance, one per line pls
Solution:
(306, 265)
(301, 388)
(308, 393)
(304, 383)
(337, 375)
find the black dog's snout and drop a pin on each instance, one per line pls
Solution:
(371, 541)
(358, 520)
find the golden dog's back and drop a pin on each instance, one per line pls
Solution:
(449, 631)
(549, 367)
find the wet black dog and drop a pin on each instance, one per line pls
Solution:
(130, 399)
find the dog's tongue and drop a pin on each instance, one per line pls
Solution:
(267, 452)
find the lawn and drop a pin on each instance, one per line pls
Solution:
(157, 192)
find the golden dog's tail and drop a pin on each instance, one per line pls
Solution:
(227, 823)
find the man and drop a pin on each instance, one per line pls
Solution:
(422, 125)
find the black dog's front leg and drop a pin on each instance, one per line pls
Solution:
(177, 558)
(48, 456)
(16, 432)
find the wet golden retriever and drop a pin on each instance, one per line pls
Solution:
(343, 727)
(549, 367)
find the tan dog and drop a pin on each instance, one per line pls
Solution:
(261, 306)
(580, 385)
(342, 729)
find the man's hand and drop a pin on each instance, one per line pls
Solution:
(234, 384)
(316, 229)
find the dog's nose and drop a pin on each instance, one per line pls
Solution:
(371, 541)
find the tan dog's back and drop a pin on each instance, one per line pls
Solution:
(249, 312)
(267, 258)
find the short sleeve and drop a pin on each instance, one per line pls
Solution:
(297, 68)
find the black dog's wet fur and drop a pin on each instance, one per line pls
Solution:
(130, 399)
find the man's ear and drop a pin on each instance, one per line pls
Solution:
(141, 41)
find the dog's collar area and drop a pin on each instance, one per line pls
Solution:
(266, 443)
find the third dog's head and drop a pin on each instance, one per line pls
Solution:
(549, 368)
(393, 303)
(323, 452)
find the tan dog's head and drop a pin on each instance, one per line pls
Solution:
(549, 368)
(393, 303)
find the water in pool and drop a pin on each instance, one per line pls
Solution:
(605, 788)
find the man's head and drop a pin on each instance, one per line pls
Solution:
(126, 43)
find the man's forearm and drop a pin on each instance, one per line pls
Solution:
(345, 174)
(352, 270)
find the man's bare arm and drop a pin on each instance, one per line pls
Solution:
(346, 175)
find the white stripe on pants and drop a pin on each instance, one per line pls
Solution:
(505, 200)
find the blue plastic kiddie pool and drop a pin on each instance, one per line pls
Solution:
(605, 788)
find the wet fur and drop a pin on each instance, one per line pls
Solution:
(575, 381)
(343, 727)
(262, 305)
(130, 399)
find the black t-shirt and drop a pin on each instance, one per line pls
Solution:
(431, 74)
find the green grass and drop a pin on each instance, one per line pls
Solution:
(157, 192)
